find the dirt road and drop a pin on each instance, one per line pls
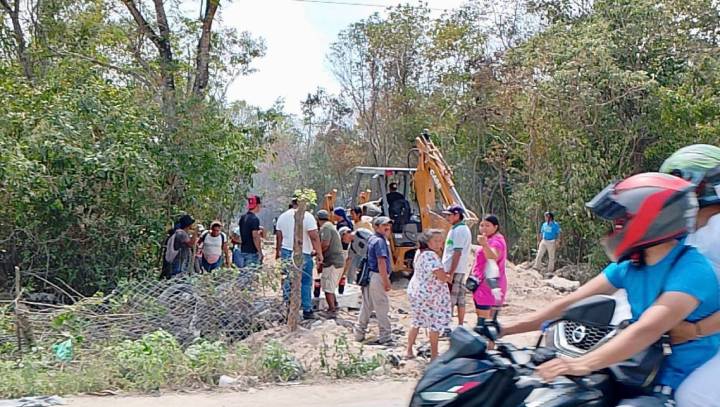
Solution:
(368, 394)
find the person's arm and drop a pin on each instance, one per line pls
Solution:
(532, 322)
(441, 275)
(688, 331)
(324, 244)
(257, 240)
(382, 268)
(455, 261)
(315, 239)
(278, 243)
(491, 253)
(666, 312)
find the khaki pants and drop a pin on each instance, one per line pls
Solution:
(549, 247)
(375, 298)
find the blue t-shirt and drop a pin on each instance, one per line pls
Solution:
(378, 247)
(550, 231)
(692, 275)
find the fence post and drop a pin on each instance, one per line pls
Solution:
(296, 268)
(18, 293)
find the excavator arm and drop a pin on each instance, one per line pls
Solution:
(434, 175)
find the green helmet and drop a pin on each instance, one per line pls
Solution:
(700, 164)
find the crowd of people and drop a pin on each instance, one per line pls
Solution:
(663, 247)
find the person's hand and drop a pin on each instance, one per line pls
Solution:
(482, 240)
(562, 367)
(261, 257)
(683, 332)
(277, 255)
(320, 258)
(386, 285)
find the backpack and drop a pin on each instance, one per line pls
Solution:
(170, 251)
(363, 279)
(205, 233)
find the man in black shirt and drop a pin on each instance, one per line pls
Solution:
(250, 233)
(393, 195)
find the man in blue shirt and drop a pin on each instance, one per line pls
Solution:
(548, 241)
(667, 282)
(374, 296)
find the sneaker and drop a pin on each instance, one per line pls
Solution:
(382, 342)
(309, 315)
(359, 336)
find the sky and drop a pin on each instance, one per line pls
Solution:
(297, 35)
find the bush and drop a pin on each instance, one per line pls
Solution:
(277, 364)
(208, 360)
(151, 362)
(344, 362)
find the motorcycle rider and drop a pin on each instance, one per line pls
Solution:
(700, 164)
(666, 282)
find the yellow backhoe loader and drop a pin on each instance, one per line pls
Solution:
(426, 190)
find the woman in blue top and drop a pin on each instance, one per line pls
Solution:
(666, 281)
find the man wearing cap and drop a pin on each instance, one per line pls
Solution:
(548, 239)
(374, 296)
(357, 241)
(251, 246)
(284, 245)
(214, 247)
(333, 260)
(455, 257)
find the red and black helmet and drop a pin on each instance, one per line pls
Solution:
(647, 209)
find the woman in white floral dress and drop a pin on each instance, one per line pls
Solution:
(428, 293)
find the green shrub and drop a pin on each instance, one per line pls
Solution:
(344, 362)
(278, 364)
(208, 360)
(153, 361)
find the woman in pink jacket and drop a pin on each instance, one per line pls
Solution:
(490, 268)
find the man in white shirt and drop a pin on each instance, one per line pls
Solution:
(284, 242)
(214, 247)
(455, 256)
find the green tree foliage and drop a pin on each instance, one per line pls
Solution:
(92, 168)
(539, 106)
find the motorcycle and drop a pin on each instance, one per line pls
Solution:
(469, 374)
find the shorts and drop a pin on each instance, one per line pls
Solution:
(330, 278)
(457, 292)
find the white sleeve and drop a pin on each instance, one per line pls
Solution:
(309, 222)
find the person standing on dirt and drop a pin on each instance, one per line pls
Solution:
(214, 247)
(455, 257)
(375, 295)
(251, 246)
(178, 258)
(428, 292)
(548, 241)
(284, 245)
(490, 268)
(333, 261)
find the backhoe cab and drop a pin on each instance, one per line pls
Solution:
(422, 193)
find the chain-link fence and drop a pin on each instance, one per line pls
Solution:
(227, 304)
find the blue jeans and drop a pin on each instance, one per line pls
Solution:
(246, 259)
(210, 267)
(306, 282)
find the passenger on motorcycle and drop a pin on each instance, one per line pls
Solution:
(700, 164)
(666, 282)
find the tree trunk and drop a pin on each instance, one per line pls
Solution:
(202, 62)
(296, 267)
(165, 55)
(21, 47)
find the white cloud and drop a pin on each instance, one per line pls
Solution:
(298, 36)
